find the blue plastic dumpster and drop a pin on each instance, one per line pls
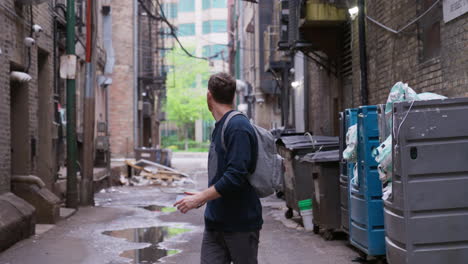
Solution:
(347, 119)
(366, 206)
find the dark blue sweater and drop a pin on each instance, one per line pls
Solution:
(239, 208)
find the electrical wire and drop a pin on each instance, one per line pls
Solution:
(403, 121)
(173, 33)
(404, 27)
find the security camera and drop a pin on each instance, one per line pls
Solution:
(37, 29)
(29, 42)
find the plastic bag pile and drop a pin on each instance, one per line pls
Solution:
(400, 92)
(350, 153)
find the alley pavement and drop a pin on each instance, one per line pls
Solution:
(139, 225)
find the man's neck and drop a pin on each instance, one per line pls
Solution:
(220, 110)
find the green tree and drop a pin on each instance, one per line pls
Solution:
(186, 90)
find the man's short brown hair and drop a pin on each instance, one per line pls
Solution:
(222, 87)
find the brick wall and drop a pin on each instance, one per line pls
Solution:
(121, 121)
(393, 57)
(15, 25)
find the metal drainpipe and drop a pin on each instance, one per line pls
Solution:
(306, 95)
(72, 188)
(363, 52)
(87, 177)
(135, 74)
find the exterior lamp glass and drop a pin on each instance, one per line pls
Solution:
(353, 12)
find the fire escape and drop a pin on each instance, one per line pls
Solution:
(151, 74)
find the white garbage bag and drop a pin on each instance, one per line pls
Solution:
(383, 156)
(350, 153)
(355, 178)
(387, 191)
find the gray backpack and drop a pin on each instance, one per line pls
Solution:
(269, 164)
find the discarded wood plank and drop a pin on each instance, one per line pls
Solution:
(140, 163)
(169, 173)
(162, 176)
(135, 166)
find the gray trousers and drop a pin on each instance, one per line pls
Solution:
(227, 247)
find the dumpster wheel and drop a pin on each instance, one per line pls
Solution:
(329, 235)
(289, 213)
(316, 229)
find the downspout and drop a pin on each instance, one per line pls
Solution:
(28, 179)
(72, 188)
(135, 74)
(363, 52)
(106, 13)
(87, 180)
(306, 95)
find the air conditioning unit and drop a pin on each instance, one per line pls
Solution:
(147, 109)
(31, 2)
(271, 39)
(102, 143)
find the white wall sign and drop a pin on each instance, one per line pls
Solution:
(454, 9)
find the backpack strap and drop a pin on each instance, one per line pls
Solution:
(228, 118)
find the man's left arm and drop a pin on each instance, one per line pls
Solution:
(196, 200)
(234, 180)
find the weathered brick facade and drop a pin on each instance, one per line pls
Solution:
(400, 57)
(121, 114)
(28, 127)
(394, 57)
(25, 110)
(15, 23)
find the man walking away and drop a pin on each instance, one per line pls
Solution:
(233, 215)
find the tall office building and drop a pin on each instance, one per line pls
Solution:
(202, 24)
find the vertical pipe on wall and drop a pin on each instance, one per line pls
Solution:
(72, 188)
(87, 179)
(363, 52)
(135, 74)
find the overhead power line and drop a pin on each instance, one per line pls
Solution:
(173, 33)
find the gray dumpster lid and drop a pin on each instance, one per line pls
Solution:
(302, 141)
(322, 156)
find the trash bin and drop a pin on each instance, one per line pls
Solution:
(298, 183)
(347, 119)
(325, 170)
(426, 217)
(366, 206)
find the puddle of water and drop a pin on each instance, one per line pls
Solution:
(158, 208)
(152, 235)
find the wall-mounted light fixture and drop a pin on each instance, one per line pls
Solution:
(296, 84)
(353, 12)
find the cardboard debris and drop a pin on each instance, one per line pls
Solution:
(156, 173)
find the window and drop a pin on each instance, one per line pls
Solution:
(218, 3)
(207, 4)
(212, 50)
(170, 10)
(214, 26)
(219, 26)
(221, 50)
(186, 5)
(429, 27)
(206, 51)
(166, 32)
(186, 30)
(206, 27)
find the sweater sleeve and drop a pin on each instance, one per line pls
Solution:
(239, 155)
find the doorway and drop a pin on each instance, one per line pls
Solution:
(19, 129)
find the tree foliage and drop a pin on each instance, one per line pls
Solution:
(186, 88)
